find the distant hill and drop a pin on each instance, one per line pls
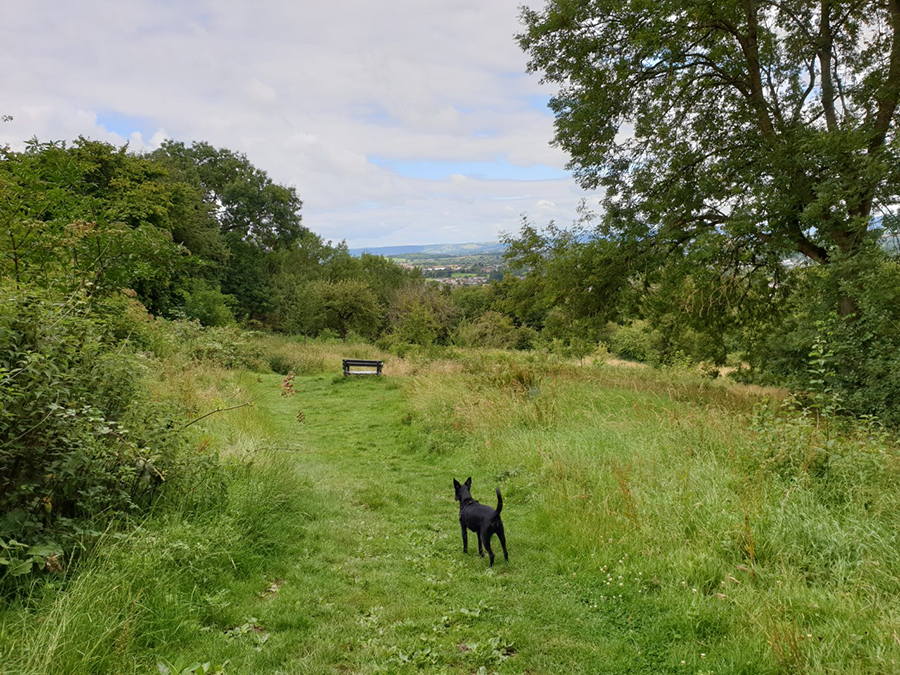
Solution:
(434, 249)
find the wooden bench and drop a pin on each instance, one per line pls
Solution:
(362, 363)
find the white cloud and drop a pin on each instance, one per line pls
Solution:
(260, 92)
(311, 92)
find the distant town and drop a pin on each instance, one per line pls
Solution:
(452, 265)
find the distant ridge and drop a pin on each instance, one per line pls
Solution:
(433, 249)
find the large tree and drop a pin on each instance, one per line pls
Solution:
(248, 205)
(90, 215)
(739, 131)
(258, 219)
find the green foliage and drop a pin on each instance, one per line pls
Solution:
(208, 305)
(740, 147)
(472, 301)
(633, 341)
(491, 330)
(385, 277)
(420, 314)
(813, 347)
(416, 325)
(195, 231)
(91, 216)
(250, 207)
(82, 438)
(716, 156)
(223, 346)
(350, 304)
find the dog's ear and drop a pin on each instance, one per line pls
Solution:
(456, 484)
(469, 481)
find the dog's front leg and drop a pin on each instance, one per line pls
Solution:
(465, 537)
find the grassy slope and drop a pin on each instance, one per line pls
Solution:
(641, 539)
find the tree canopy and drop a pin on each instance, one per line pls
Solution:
(247, 203)
(755, 128)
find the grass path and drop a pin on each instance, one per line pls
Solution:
(381, 584)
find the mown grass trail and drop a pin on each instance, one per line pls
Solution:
(645, 533)
(382, 585)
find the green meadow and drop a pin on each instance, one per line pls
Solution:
(657, 521)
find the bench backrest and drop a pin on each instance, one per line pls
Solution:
(362, 363)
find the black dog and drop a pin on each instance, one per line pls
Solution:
(482, 520)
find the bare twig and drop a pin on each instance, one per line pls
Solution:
(217, 410)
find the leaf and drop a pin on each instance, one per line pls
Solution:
(43, 550)
(22, 568)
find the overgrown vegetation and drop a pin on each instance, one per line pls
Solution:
(748, 157)
(657, 522)
(88, 440)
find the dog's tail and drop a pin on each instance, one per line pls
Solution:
(499, 501)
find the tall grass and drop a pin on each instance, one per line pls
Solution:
(716, 512)
(657, 521)
(165, 581)
(232, 518)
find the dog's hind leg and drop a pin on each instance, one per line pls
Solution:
(486, 538)
(466, 539)
(501, 535)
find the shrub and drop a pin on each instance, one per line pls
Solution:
(208, 305)
(491, 330)
(417, 325)
(633, 341)
(82, 438)
(860, 363)
(225, 346)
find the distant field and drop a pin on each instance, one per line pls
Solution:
(427, 260)
(481, 248)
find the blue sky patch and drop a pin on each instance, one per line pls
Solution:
(540, 102)
(499, 169)
(125, 125)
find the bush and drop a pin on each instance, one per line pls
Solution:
(855, 358)
(82, 438)
(633, 341)
(417, 325)
(208, 305)
(227, 347)
(491, 330)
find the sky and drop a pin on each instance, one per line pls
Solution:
(401, 122)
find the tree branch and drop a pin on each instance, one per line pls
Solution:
(213, 412)
(750, 48)
(887, 103)
(825, 45)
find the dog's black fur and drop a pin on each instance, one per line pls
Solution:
(481, 519)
